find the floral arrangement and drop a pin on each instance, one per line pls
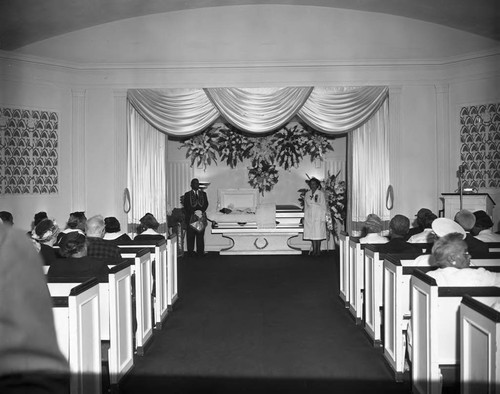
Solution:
(336, 198)
(202, 148)
(290, 144)
(233, 147)
(263, 176)
(286, 149)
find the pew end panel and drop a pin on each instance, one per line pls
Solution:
(396, 306)
(479, 345)
(435, 328)
(344, 267)
(78, 330)
(172, 270)
(355, 273)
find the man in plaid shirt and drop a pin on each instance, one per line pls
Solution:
(97, 247)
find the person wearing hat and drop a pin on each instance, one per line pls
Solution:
(148, 230)
(483, 228)
(75, 261)
(467, 220)
(420, 221)
(315, 215)
(113, 232)
(398, 231)
(373, 228)
(45, 235)
(427, 235)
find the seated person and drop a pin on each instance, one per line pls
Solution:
(483, 228)
(398, 230)
(7, 218)
(30, 359)
(419, 222)
(373, 228)
(427, 235)
(97, 247)
(148, 230)
(76, 221)
(45, 235)
(75, 262)
(451, 257)
(113, 232)
(467, 220)
(440, 228)
(37, 219)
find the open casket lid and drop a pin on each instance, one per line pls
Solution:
(239, 198)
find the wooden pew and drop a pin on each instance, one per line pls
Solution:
(355, 273)
(172, 289)
(141, 271)
(398, 270)
(435, 328)
(159, 261)
(115, 315)
(76, 319)
(493, 246)
(479, 347)
(344, 268)
(396, 306)
(374, 288)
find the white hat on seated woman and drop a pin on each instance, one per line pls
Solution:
(445, 226)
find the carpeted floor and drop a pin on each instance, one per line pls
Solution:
(260, 324)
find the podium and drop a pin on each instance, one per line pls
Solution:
(470, 201)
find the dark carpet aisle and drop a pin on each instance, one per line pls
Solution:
(260, 324)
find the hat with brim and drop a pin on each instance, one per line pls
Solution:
(445, 226)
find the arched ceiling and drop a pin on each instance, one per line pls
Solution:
(28, 21)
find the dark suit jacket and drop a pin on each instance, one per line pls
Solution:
(193, 203)
(84, 267)
(398, 245)
(475, 245)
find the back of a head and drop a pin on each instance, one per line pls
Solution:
(149, 221)
(45, 231)
(112, 225)
(7, 218)
(428, 220)
(445, 249)
(399, 225)
(466, 219)
(77, 221)
(72, 243)
(422, 214)
(483, 220)
(39, 217)
(95, 226)
(373, 224)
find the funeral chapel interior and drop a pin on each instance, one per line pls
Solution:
(438, 69)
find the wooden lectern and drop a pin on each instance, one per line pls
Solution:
(470, 201)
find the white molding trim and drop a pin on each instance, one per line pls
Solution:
(120, 150)
(395, 141)
(78, 112)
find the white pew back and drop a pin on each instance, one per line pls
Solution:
(141, 270)
(76, 319)
(396, 306)
(172, 270)
(159, 257)
(479, 347)
(435, 328)
(115, 314)
(344, 267)
(355, 273)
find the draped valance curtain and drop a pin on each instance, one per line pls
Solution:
(331, 110)
(185, 112)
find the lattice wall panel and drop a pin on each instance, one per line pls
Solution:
(480, 150)
(28, 151)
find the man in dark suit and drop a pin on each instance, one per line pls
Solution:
(195, 205)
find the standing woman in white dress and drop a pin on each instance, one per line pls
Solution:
(315, 215)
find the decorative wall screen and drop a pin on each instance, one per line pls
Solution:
(480, 150)
(28, 151)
